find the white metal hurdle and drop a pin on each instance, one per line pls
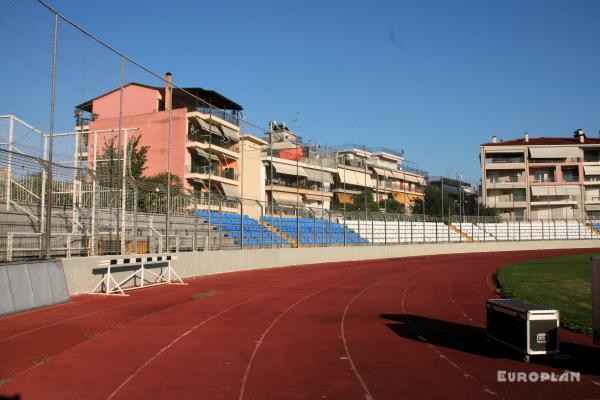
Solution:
(109, 285)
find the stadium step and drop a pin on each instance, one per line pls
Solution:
(461, 233)
(271, 228)
(594, 230)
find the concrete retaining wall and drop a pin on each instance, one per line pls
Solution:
(80, 279)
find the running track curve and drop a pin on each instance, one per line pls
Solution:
(404, 328)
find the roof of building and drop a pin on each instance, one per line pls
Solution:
(546, 141)
(210, 96)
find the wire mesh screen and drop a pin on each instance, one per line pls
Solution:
(101, 155)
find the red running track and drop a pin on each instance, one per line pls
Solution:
(388, 329)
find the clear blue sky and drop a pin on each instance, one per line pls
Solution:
(435, 78)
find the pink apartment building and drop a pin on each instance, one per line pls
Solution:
(204, 143)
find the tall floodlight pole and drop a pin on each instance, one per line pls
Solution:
(123, 200)
(271, 169)
(168, 215)
(48, 230)
(366, 193)
(442, 197)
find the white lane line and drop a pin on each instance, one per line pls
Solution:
(465, 374)
(367, 392)
(266, 332)
(184, 334)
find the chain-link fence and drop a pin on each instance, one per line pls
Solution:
(101, 155)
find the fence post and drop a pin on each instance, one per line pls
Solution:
(398, 220)
(220, 224)
(329, 229)
(385, 229)
(241, 225)
(134, 223)
(372, 228)
(68, 245)
(9, 246)
(262, 228)
(358, 225)
(314, 228)
(195, 237)
(344, 218)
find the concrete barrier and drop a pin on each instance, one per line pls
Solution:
(80, 279)
(24, 286)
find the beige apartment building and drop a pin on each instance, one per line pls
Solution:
(292, 173)
(542, 178)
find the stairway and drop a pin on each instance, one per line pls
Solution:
(293, 242)
(461, 233)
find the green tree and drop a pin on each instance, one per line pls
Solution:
(162, 179)
(485, 211)
(432, 202)
(392, 206)
(358, 204)
(109, 164)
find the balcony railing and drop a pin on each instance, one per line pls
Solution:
(591, 158)
(556, 160)
(541, 179)
(223, 114)
(505, 160)
(505, 181)
(228, 173)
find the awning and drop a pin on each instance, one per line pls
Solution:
(592, 207)
(208, 127)
(364, 180)
(316, 175)
(348, 177)
(287, 199)
(287, 169)
(230, 190)
(504, 150)
(314, 197)
(345, 198)
(554, 190)
(411, 178)
(554, 152)
(232, 134)
(591, 169)
(404, 198)
(205, 154)
(382, 172)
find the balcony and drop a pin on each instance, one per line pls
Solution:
(205, 172)
(231, 152)
(517, 163)
(542, 179)
(504, 203)
(505, 182)
(505, 160)
(225, 115)
(555, 160)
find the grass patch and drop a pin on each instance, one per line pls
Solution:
(204, 295)
(562, 283)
